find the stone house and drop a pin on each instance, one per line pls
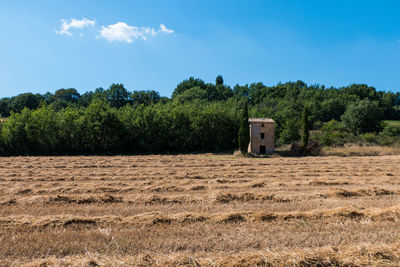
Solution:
(261, 136)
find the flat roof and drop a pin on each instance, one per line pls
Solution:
(266, 120)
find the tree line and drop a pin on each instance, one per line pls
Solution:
(198, 117)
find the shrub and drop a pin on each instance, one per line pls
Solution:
(333, 133)
(391, 130)
(370, 138)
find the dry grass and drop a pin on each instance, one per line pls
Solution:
(199, 210)
(356, 150)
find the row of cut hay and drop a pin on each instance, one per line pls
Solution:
(214, 197)
(153, 218)
(362, 255)
(61, 199)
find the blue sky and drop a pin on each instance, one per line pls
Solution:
(335, 43)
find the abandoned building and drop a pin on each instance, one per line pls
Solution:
(261, 136)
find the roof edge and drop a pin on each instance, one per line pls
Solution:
(265, 120)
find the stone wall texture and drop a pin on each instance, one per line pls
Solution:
(256, 140)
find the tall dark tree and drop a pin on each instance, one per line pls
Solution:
(219, 80)
(306, 128)
(5, 107)
(244, 130)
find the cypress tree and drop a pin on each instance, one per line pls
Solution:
(219, 80)
(244, 130)
(306, 128)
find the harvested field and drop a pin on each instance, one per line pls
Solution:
(199, 210)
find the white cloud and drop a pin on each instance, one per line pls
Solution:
(164, 29)
(74, 23)
(122, 32)
(119, 32)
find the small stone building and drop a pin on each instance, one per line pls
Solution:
(261, 136)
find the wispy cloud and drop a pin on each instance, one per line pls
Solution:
(118, 32)
(74, 23)
(122, 32)
(164, 29)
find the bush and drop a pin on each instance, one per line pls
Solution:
(332, 133)
(370, 138)
(391, 130)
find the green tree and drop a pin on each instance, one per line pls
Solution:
(192, 94)
(68, 95)
(332, 108)
(363, 116)
(85, 99)
(387, 103)
(219, 80)
(5, 107)
(306, 128)
(42, 131)
(187, 84)
(117, 95)
(70, 131)
(244, 130)
(102, 128)
(145, 97)
(27, 100)
(63, 98)
(290, 132)
(241, 91)
(218, 92)
(14, 133)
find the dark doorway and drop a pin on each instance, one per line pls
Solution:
(262, 150)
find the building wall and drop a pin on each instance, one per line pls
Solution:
(255, 137)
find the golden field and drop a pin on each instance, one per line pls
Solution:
(199, 210)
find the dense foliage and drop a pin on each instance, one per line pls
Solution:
(198, 117)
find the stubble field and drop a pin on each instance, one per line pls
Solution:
(199, 210)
